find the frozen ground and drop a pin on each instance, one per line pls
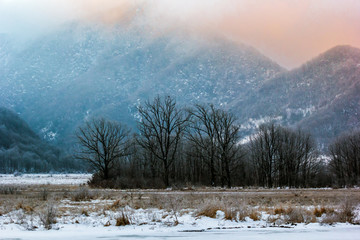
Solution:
(81, 232)
(42, 179)
(97, 218)
(164, 224)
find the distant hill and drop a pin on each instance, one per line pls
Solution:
(22, 150)
(322, 96)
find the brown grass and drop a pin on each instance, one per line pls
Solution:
(84, 212)
(279, 210)
(347, 210)
(208, 211)
(255, 215)
(288, 205)
(294, 215)
(123, 220)
(344, 213)
(318, 212)
(244, 212)
(230, 214)
(26, 208)
(117, 204)
(82, 194)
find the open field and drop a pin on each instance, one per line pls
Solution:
(44, 179)
(68, 206)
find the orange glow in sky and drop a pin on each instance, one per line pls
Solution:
(288, 31)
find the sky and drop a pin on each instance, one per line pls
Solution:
(290, 32)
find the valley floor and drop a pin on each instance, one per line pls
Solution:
(67, 209)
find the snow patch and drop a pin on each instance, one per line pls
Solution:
(43, 179)
(255, 123)
(300, 111)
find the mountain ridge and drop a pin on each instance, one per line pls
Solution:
(76, 73)
(318, 85)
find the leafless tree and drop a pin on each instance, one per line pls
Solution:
(161, 128)
(227, 135)
(345, 158)
(102, 143)
(282, 156)
(215, 134)
(202, 135)
(263, 151)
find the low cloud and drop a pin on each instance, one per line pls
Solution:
(290, 32)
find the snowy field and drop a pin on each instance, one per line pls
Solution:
(205, 228)
(81, 213)
(309, 232)
(42, 179)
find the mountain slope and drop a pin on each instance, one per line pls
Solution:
(68, 76)
(22, 150)
(79, 71)
(321, 96)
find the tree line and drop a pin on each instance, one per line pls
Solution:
(200, 145)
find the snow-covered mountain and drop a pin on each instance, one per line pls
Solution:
(322, 96)
(63, 78)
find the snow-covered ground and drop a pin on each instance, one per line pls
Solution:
(97, 218)
(42, 179)
(160, 224)
(82, 232)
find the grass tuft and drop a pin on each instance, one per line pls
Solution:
(208, 211)
(82, 194)
(318, 212)
(123, 220)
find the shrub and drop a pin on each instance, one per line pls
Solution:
(275, 220)
(11, 190)
(82, 194)
(243, 213)
(347, 211)
(308, 216)
(330, 218)
(44, 194)
(294, 215)
(48, 216)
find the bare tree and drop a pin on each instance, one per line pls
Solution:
(263, 151)
(345, 158)
(214, 133)
(161, 127)
(202, 135)
(282, 156)
(102, 143)
(227, 136)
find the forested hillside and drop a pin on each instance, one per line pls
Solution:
(22, 150)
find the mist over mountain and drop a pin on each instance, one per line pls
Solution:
(78, 71)
(65, 77)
